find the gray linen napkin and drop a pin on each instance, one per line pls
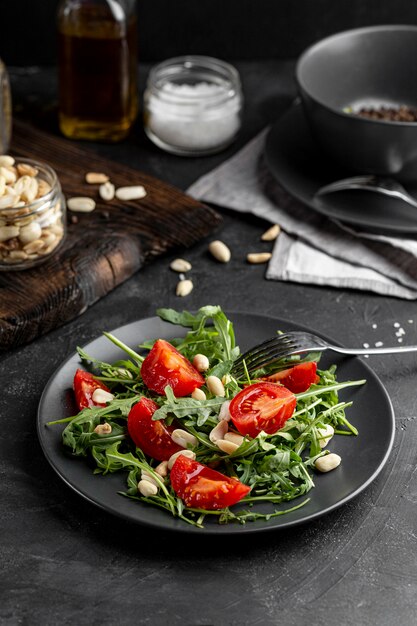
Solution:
(311, 248)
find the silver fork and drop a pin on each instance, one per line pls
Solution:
(277, 349)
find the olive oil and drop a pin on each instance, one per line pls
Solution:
(97, 70)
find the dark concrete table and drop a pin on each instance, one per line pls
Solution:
(63, 561)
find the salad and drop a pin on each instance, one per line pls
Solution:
(194, 440)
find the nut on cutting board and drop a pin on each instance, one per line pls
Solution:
(103, 249)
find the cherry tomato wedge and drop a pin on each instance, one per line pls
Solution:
(262, 406)
(164, 365)
(297, 378)
(84, 386)
(153, 437)
(204, 488)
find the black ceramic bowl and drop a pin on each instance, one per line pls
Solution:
(367, 67)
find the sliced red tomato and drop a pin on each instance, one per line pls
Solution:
(153, 437)
(164, 366)
(84, 386)
(204, 488)
(262, 406)
(297, 378)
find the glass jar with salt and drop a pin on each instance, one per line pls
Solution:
(193, 105)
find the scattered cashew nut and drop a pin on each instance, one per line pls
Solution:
(328, 462)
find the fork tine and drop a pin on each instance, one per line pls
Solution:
(270, 353)
(262, 360)
(273, 342)
(266, 357)
(264, 354)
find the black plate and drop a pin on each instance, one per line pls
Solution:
(300, 166)
(363, 457)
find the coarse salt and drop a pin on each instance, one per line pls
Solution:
(192, 105)
(194, 117)
(366, 345)
(379, 344)
(374, 325)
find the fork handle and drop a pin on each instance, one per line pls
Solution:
(382, 350)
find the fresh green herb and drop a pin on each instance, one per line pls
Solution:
(277, 467)
(216, 340)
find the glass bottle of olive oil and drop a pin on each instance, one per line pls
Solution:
(97, 68)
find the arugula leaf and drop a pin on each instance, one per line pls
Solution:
(79, 434)
(221, 369)
(187, 319)
(185, 407)
(212, 334)
(134, 355)
(89, 360)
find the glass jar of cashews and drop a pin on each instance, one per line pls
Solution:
(32, 213)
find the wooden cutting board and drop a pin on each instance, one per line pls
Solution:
(103, 249)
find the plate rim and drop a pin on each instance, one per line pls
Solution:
(231, 529)
(294, 110)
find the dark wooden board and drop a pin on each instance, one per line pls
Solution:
(103, 249)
